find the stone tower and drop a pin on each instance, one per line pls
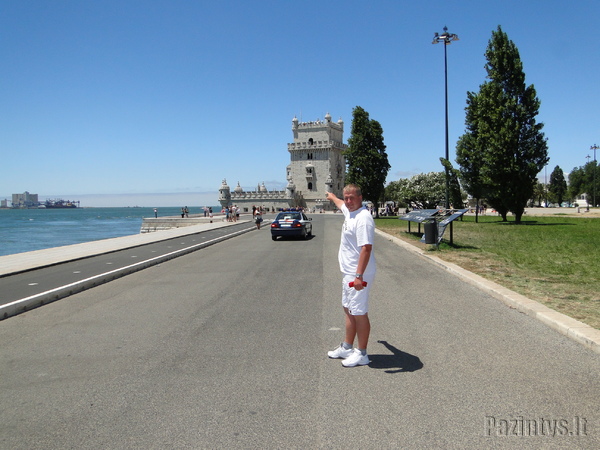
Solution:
(317, 164)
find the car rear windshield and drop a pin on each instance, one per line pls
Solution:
(289, 216)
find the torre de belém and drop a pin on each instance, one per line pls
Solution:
(317, 166)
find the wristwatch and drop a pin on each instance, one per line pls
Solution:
(358, 275)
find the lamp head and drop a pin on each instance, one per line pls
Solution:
(445, 37)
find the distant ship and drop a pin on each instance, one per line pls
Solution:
(60, 203)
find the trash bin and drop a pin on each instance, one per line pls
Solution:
(431, 232)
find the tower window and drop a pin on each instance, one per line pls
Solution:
(310, 186)
(310, 141)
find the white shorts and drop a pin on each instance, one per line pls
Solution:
(357, 302)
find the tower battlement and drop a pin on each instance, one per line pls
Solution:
(318, 130)
(314, 145)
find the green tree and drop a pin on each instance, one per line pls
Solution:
(503, 148)
(558, 185)
(394, 192)
(456, 195)
(594, 191)
(424, 190)
(581, 181)
(469, 153)
(366, 158)
(576, 182)
(539, 194)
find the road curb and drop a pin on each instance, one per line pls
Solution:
(572, 328)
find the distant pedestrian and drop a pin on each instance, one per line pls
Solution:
(155, 213)
(182, 213)
(257, 218)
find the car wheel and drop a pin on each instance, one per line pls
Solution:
(274, 238)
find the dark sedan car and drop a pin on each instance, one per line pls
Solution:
(291, 223)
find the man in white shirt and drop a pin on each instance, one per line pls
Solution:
(357, 264)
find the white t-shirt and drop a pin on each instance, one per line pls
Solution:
(358, 230)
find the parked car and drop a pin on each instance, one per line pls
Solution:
(291, 223)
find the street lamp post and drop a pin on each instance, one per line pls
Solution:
(447, 39)
(594, 147)
(587, 193)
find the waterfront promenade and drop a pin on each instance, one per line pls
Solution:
(226, 347)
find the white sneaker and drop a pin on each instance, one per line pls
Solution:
(356, 359)
(340, 352)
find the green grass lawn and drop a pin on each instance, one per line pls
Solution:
(552, 259)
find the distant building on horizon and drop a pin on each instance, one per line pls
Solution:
(317, 166)
(25, 200)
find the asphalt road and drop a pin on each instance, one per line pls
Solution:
(226, 348)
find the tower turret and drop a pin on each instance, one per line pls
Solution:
(224, 194)
(329, 183)
(290, 189)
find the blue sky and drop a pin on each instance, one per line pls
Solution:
(153, 103)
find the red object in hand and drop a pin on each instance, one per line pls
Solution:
(351, 284)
